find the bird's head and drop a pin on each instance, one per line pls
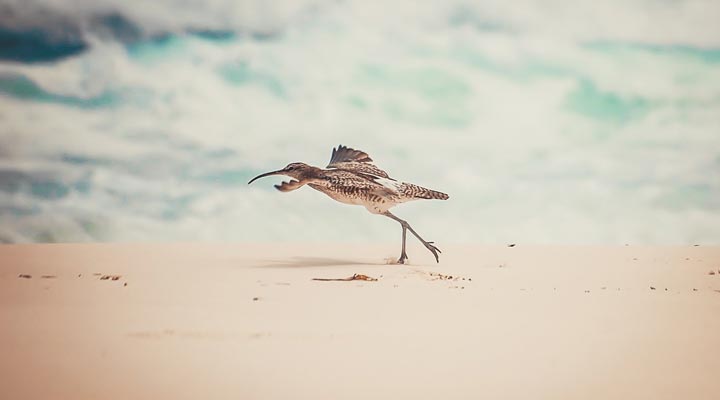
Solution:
(295, 170)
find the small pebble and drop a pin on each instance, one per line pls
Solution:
(652, 288)
(25, 276)
(511, 245)
(256, 298)
(694, 290)
(125, 284)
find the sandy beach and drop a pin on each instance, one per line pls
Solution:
(249, 321)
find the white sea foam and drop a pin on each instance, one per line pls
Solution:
(595, 124)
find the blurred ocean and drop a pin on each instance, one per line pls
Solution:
(546, 122)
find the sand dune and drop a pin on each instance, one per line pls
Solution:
(211, 321)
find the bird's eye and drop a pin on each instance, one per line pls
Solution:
(290, 168)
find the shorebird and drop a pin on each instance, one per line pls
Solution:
(352, 178)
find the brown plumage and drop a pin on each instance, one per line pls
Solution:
(352, 178)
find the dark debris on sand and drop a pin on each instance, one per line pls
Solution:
(355, 277)
(436, 276)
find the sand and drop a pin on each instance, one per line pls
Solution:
(221, 321)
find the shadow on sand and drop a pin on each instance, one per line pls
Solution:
(301, 262)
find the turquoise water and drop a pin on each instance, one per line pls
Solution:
(540, 133)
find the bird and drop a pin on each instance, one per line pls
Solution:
(352, 178)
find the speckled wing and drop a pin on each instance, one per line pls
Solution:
(351, 179)
(357, 161)
(350, 182)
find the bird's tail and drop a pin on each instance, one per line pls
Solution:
(419, 192)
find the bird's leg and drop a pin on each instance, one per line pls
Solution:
(403, 255)
(428, 245)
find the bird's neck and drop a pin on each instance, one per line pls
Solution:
(311, 171)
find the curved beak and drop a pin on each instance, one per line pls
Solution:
(278, 172)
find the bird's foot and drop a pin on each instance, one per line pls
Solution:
(430, 246)
(402, 258)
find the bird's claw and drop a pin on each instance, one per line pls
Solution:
(402, 258)
(434, 250)
(435, 247)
